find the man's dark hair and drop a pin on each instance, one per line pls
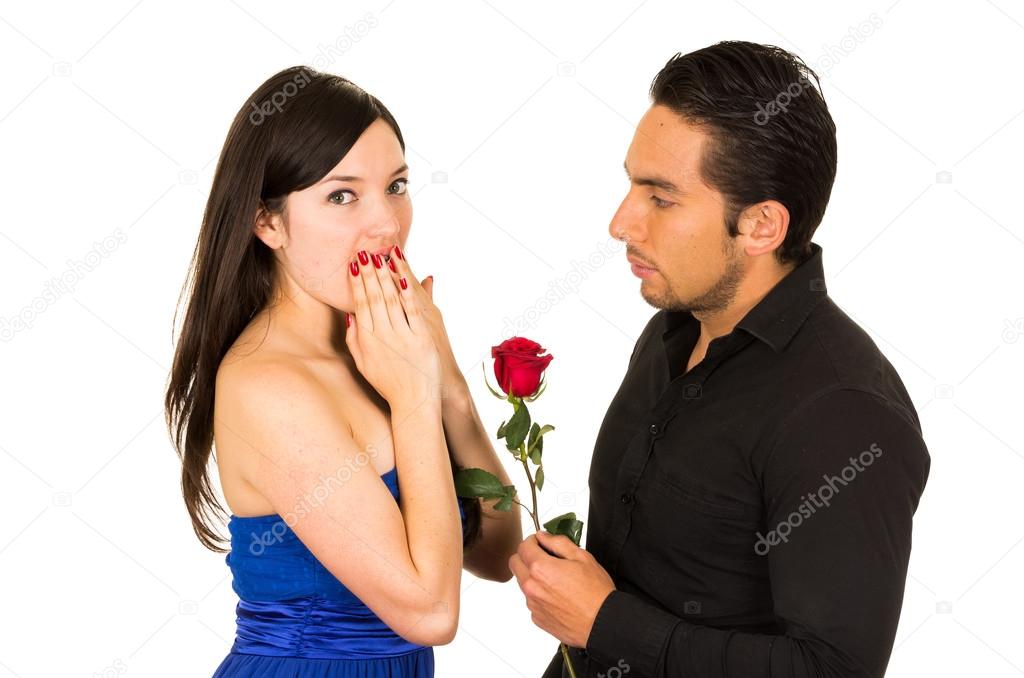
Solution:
(770, 133)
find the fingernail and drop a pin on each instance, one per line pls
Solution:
(376, 260)
(391, 265)
(348, 320)
(398, 251)
(403, 283)
(354, 267)
(364, 259)
(430, 277)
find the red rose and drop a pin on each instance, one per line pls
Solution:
(518, 365)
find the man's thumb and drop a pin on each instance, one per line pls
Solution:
(557, 544)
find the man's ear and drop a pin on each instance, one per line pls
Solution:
(764, 227)
(269, 227)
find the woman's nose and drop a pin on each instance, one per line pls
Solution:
(387, 224)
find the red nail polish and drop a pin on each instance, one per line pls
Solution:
(391, 265)
(376, 260)
(398, 251)
(364, 259)
(354, 267)
(348, 320)
(403, 283)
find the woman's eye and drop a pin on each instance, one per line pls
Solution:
(659, 203)
(348, 197)
(399, 186)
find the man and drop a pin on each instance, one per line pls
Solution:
(754, 481)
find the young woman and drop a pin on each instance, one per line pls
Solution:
(317, 422)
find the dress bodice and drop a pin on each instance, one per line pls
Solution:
(290, 605)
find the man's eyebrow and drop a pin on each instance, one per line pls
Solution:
(338, 177)
(656, 182)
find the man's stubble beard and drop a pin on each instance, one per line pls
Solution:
(716, 298)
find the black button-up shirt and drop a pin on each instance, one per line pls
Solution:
(754, 512)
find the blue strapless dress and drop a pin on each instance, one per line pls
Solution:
(296, 620)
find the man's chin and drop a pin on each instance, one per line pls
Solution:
(654, 298)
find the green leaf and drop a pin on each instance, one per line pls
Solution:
(566, 524)
(505, 504)
(534, 430)
(535, 454)
(501, 430)
(540, 478)
(476, 482)
(537, 440)
(517, 428)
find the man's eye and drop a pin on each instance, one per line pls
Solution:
(347, 197)
(659, 203)
(399, 186)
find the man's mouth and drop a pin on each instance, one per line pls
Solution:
(639, 264)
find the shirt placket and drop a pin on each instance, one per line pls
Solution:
(685, 388)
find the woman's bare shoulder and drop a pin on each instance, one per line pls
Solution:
(265, 378)
(265, 406)
(257, 359)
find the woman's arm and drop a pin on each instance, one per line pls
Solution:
(470, 446)
(403, 564)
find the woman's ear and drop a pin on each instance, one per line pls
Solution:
(269, 227)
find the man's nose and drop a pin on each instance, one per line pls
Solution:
(628, 223)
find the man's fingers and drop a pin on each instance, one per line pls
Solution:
(515, 563)
(530, 551)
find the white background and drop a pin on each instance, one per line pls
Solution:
(111, 120)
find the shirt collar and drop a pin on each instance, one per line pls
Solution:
(776, 318)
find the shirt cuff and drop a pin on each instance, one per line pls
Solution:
(630, 630)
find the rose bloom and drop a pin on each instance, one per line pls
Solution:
(519, 365)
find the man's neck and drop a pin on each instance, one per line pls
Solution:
(753, 288)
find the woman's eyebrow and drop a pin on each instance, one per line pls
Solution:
(338, 177)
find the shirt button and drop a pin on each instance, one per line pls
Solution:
(654, 429)
(626, 498)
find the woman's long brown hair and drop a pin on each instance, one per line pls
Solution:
(288, 135)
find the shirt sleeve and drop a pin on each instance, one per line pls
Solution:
(841, 484)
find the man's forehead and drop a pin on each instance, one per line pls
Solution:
(661, 129)
(664, 143)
